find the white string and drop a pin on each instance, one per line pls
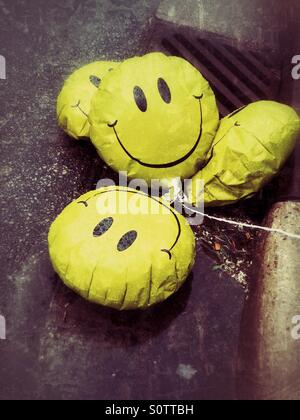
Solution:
(246, 225)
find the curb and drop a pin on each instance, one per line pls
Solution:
(269, 357)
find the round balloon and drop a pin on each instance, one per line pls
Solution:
(251, 146)
(74, 100)
(155, 117)
(121, 248)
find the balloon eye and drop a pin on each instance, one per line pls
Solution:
(103, 227)
(96, 81)
(164, 91)
(127, 240)
(140, 99)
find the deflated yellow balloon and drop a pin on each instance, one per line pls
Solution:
(251, 146)
(74, 101)
(120, 248)
(154, 117)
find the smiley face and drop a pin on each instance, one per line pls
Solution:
(154, 117)
(74, 101)
(120, 248)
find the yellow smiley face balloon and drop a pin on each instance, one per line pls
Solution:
(154, 117)
(250, 148)
(74, 100)
(120, 248)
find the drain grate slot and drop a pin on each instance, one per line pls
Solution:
(233, 68)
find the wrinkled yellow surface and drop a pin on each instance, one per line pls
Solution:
(166, 132)
(138, 277)
(74, 100)
(250, 148)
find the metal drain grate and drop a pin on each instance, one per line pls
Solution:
(237, 76)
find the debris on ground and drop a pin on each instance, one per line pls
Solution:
(231, 247)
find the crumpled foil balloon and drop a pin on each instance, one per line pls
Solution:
(74, 100)
(120, 248)
(250, 148)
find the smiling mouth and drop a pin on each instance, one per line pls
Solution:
(163, 165)
(80, 109)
